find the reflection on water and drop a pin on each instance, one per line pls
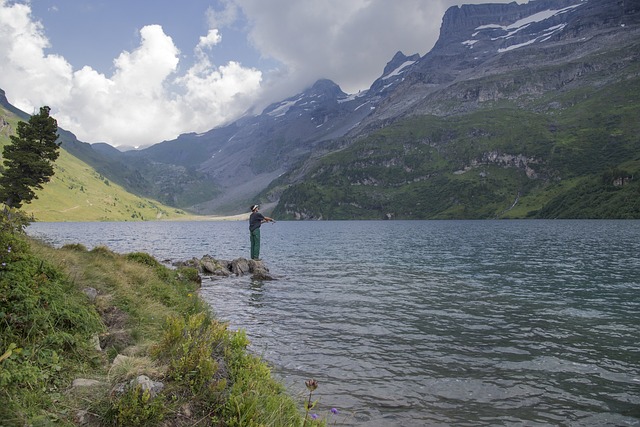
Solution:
(470, 323)
(255, 298)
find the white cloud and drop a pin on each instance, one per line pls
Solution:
(348, 42)
(24, 68)
(210, 40)
(144, 100)
(224, 17)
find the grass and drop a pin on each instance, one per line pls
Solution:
(149, 321)
(77, 193)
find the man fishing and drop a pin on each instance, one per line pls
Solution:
(255, 221)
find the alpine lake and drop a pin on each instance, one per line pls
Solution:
(426, 323)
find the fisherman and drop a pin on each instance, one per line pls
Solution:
(255, 221)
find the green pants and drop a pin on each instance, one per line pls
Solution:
(255, 244)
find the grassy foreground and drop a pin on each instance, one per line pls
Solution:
(148, 320)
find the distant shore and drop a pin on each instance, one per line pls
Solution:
(238, 217)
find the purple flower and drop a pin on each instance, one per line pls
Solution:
(314, 416)
(4, 264)
(334, 411)
(9, 249)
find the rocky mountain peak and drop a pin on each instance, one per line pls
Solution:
(393, 73)
(322, 91)
(398, 60)
(325, 88)
(501, 27)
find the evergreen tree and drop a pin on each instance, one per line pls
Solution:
(29, 158)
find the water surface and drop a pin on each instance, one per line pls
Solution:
(466, 323)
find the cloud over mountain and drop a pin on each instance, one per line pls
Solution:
(156, 90)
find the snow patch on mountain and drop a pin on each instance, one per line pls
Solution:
(282, 108)
(399, 70)
(509, 31)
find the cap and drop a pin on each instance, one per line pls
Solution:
(254, 207)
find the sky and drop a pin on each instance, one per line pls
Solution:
(137, 72)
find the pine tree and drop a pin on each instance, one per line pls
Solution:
(28, 159)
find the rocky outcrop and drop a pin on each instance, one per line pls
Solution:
(209, 266)
(518, 161)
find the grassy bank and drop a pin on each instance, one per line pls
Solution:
(57, 305)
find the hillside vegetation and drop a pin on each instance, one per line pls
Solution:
(77, 192)
(79, 328)
(568, 155)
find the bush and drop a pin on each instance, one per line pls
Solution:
(136, 407)
(193, 349)
(75, 247)
(143, 258)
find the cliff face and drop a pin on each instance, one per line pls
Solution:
(522, 110)
(490, 52)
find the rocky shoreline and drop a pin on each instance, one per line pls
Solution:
(210, 266)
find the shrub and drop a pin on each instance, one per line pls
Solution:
(45, 330)
(136, 407)
(192, 347)
(143, 258)
(78, 247)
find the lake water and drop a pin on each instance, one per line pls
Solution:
(427, 323)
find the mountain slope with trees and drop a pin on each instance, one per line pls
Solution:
(77, 192)
(578, 162)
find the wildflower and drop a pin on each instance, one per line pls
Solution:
(334, 411)
(311, 384)
(9, 249)
(314, 416)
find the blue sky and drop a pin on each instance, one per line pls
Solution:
(137, 72)
(76, 27)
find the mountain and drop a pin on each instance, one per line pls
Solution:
(504, 90)
(243, 157)
(524, 110)
(493, 52)
(519, 110)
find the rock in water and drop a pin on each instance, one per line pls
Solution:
(209, 266)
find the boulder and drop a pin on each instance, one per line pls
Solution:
(91, 293)
(95, 342)
(240, 267)
(209, 266)
(259, 271)
(146, 383)
(214, 267)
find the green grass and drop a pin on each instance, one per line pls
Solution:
(143, 310)
(77, 193)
